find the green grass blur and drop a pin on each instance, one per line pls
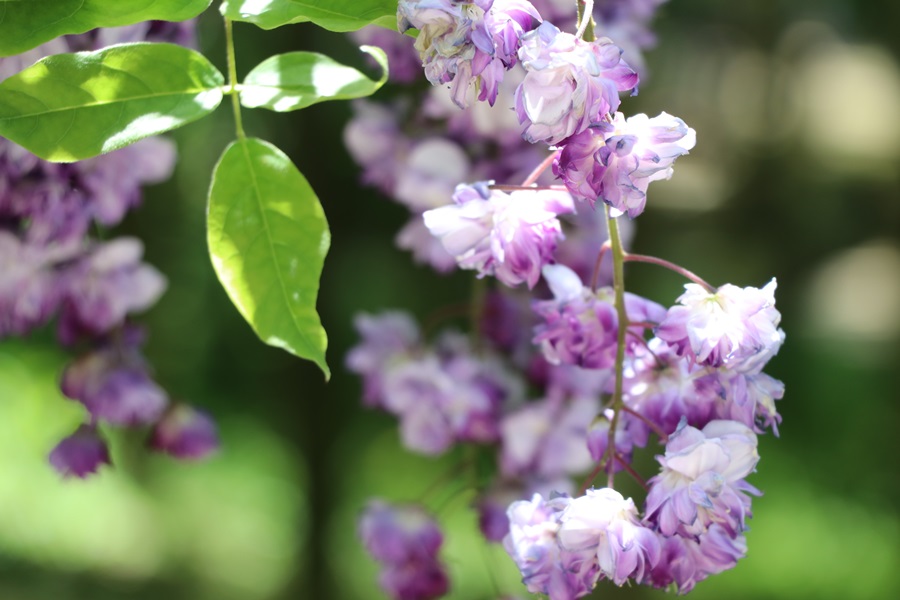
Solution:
(795, 175)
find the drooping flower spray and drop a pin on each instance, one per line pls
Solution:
(565, 374)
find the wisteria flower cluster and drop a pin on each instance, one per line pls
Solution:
(53, 266)
(576, 380)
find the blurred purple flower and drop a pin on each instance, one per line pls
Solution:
(105, 286)
(406, 540)
(185, 433)
(81, 454)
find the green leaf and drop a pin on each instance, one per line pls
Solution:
(268, 238)
(296, 80)
(25, 24)
(69, 107)
(334, 15)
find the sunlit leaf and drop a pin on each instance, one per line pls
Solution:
(69, 107)
(334, 15)
(25, 24)
(296, 80)
(267, 239)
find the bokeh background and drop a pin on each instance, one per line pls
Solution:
(795, 175)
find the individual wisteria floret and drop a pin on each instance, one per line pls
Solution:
(105, 286)
(684, 561)
(508, 235)
(702, 480)
(665, 388)
(185, 432)
(467, 43)
(81, 454)
(114, 384)
(547, 567)
(29, 284)
(732, 327)
(580, 327)
(390, 337)
(406, 541)
(548, 438)
(446, 397)
(615, 161)
(604, 522)
(569, 84)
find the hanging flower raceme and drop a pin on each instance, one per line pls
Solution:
(616, 161)
(569, 84)
(391, 337)
(510, 236)
(732, 327)
(406, 541)
(467, 43)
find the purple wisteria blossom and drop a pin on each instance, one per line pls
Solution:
(732, 327)
(685, 561)
(390, 337)
(448, 395)
(547, 567)
(665, 388)
(702, 480)
(467, 43)
(548, 438)
(113, 382)
(406, 541)
(81, 454)
(569, 83)
(29, 285)
(186, 433)
(105, 286)
(580, 327)
(604, 522)
(510, 236)
(616, 161)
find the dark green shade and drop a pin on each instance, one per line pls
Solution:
(268, 238)
(70, 107)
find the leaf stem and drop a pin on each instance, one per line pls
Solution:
(232, 81)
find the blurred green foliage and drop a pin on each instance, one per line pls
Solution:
(795, 175)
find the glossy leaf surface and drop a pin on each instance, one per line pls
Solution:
(25, 24)
(334, 15)
(268, 238)
(70, 107)
(296, 80)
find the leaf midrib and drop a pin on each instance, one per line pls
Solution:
(257, 194)
(190, 92)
